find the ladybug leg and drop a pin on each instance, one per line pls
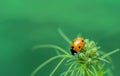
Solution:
(73, 52)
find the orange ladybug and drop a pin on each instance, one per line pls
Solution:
(77, 45)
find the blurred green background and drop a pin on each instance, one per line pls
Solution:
(26, 23)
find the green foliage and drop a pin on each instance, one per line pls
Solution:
(90, 61)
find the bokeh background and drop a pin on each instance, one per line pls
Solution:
(26, 23)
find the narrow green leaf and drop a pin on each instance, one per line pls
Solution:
(64, 36)
(110, 53)
(104, 60)
(46, 62)
(69, 69)
(57, 67)
(73, 70)
(51, 46)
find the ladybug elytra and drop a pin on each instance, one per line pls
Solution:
(77, 45)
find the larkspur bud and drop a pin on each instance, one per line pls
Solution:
(93, 50)
(92, 44)
(89, 60)
(81, 55)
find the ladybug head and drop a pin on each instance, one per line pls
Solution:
(73, 52)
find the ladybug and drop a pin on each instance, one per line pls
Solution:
(77, 45)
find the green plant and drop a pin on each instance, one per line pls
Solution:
(90, 61)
